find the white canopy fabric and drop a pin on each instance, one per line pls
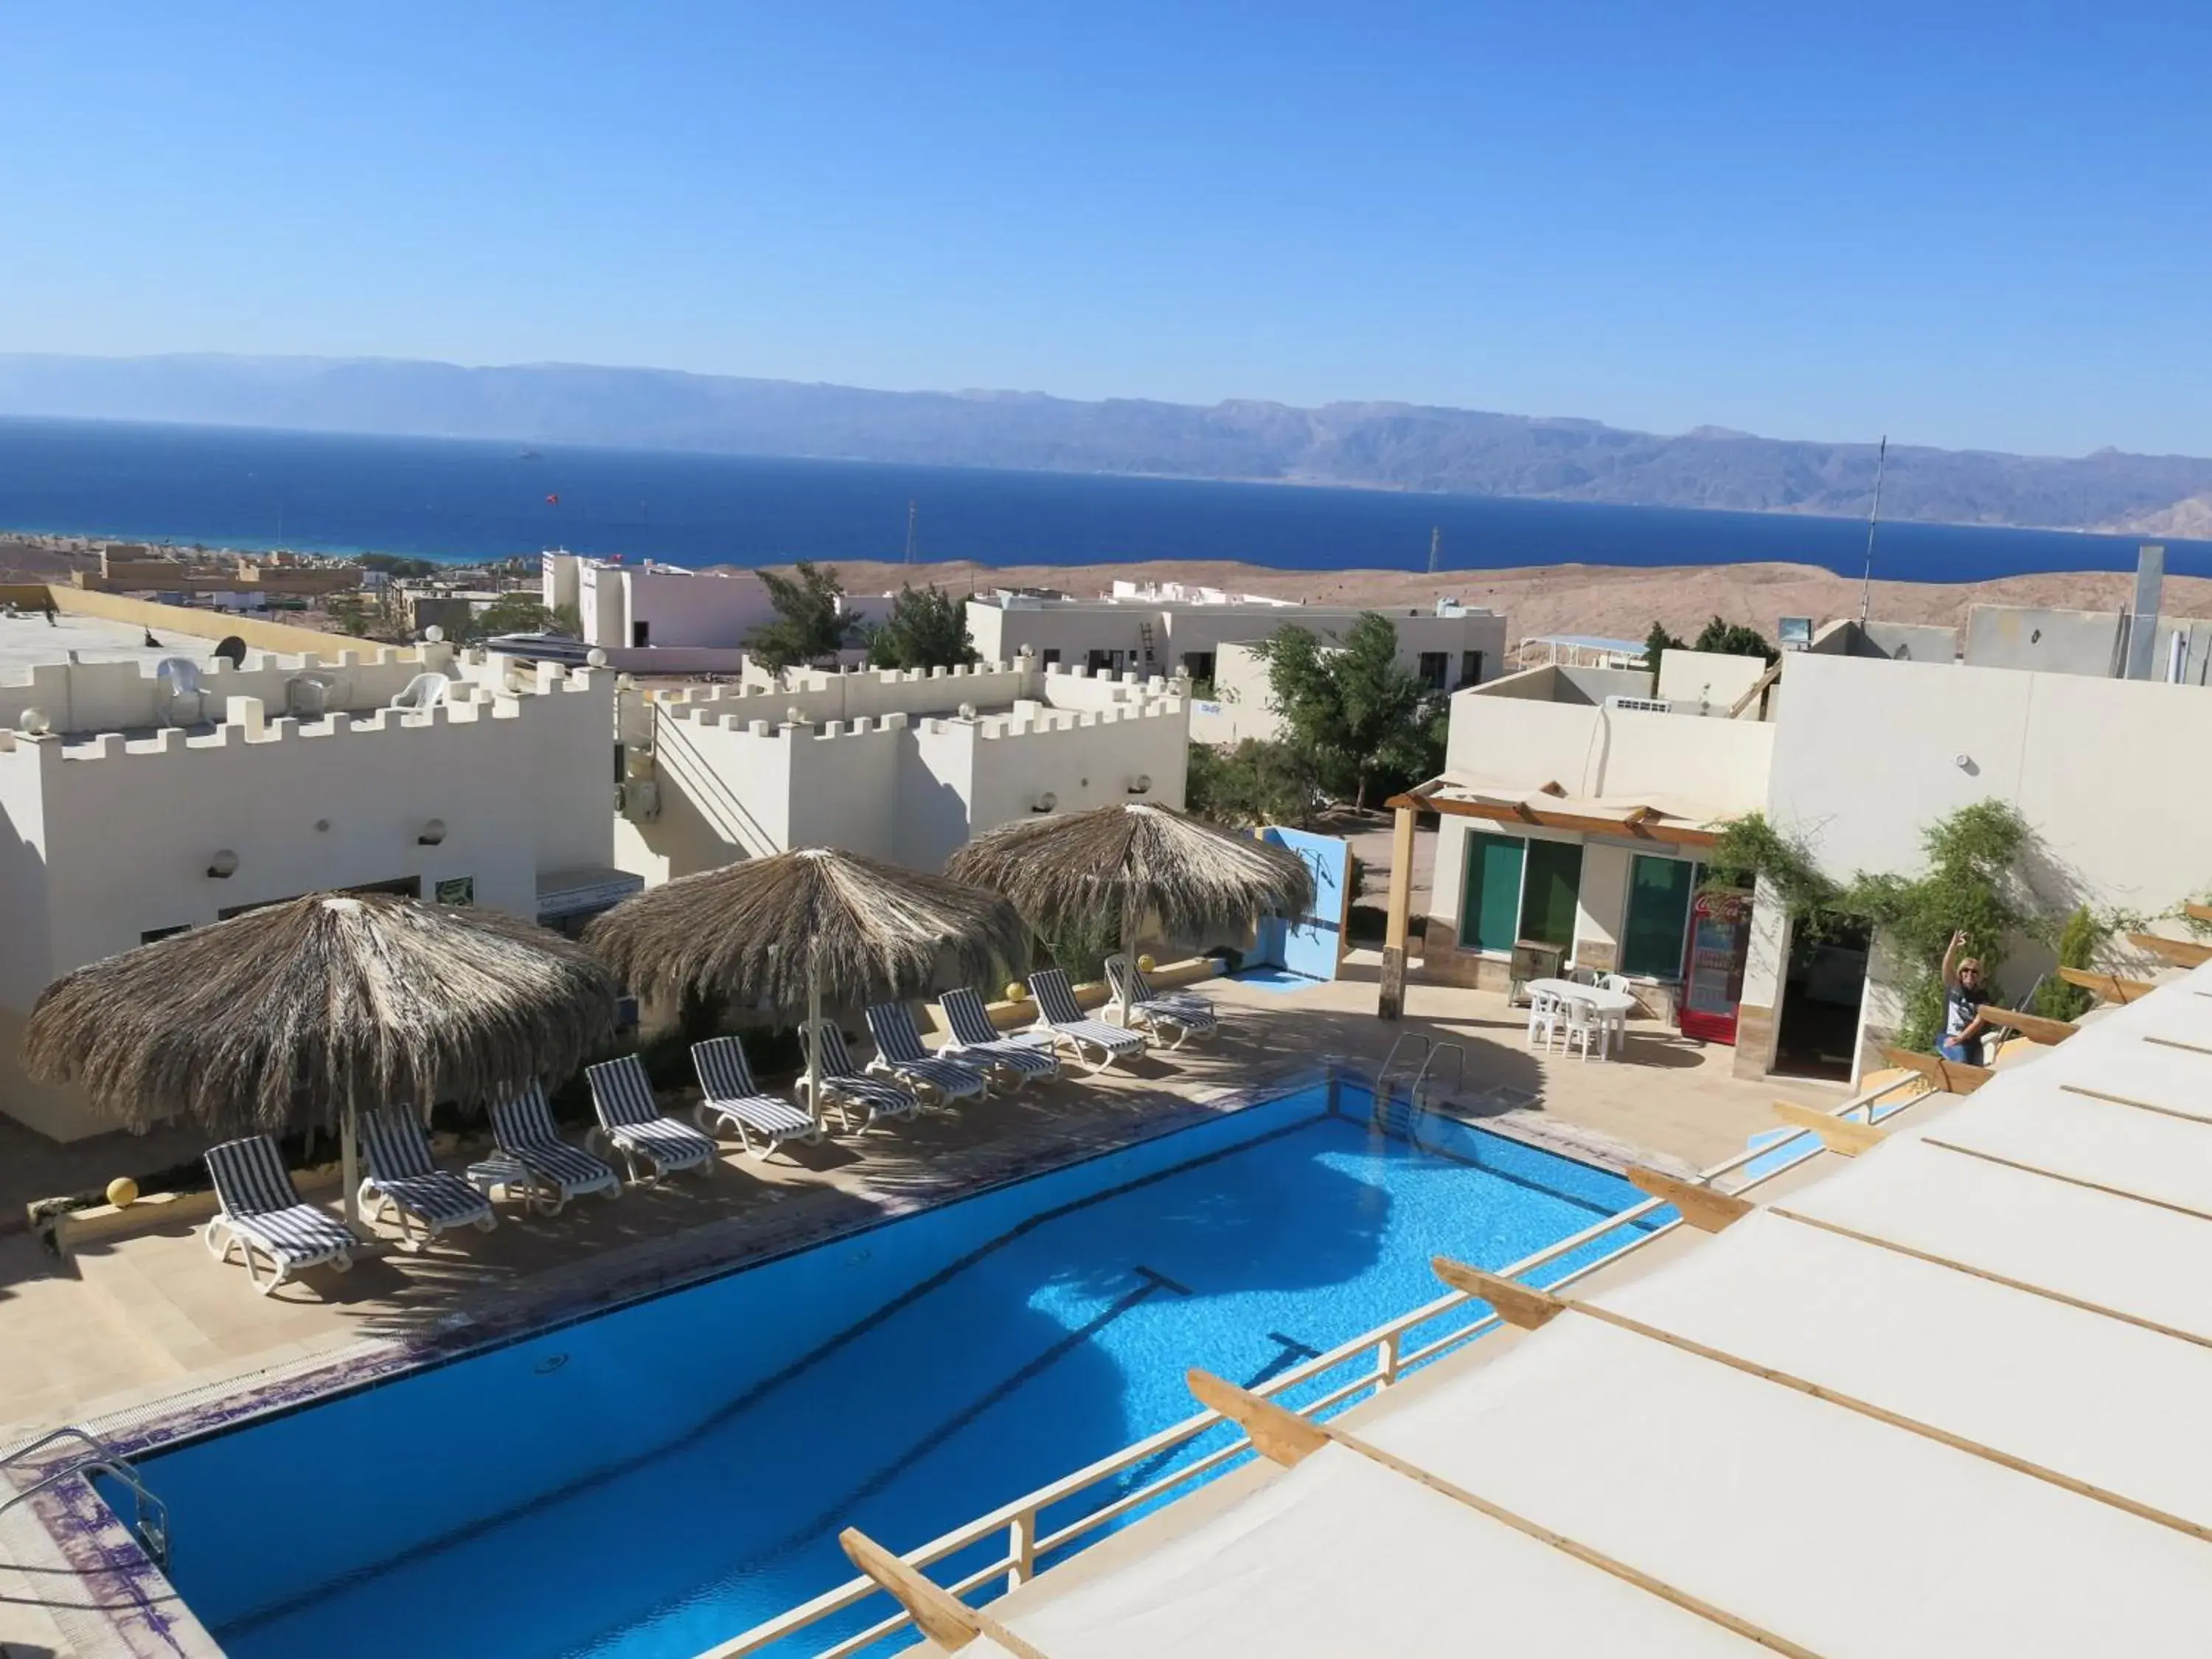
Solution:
(1947, 1402)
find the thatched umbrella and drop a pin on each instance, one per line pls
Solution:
(780, 931)
(1120, 865)
(310, 1010)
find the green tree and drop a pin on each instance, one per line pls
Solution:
(2077, 948)
(809, 623)
(392, 565)
(927, 628)
(1734, 640)
(1659, 639)
(510, 613)
(350, 612)
(1255, 782)
(1355, 714)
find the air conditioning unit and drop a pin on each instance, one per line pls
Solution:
(638, 799)
(1646, 705)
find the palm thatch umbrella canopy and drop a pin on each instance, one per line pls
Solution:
(313, 1009)
(1120, 865)
(782, 930)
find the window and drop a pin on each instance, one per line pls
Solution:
(1098, 661)
(641, 633)
(1553, 881)
(1470, 669)
(1435, 664)
(1490, 907)
(1199, 664)
(1049, 656)
(1659, 893)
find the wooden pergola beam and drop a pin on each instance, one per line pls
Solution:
(1279, 1435)
(1952, 1077)
(2107, 988)
(2181, 953)
(1634, 827)
(2035, 1027)
(1517, 1304)
(1704, 1207)
(937, 1614)
(1839, 1134)
(2198, 912)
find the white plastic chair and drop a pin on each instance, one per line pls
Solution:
(1579, 1025)
(423, 691)
(1544, 1017)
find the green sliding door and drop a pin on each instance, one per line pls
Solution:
(1490, 904)
(1547, 900)
(1659, 894)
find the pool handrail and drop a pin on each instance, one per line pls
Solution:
(1019, 1519)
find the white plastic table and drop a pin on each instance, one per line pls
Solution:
(1613, 1008)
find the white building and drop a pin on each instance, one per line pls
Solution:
(1170, 629)
(138, 802)
(1575, 807)
(904, 766)
(665, 619)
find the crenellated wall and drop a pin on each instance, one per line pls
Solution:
(121, 696)
(108, 838)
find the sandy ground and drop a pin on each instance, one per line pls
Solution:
(1615, 600)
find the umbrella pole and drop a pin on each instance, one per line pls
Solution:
(813, 1044)
(350, 1168)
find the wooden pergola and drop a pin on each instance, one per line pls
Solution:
(1549, 807)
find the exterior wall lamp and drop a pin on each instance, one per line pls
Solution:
(432, 833)
(1045, 802)
(223, 866)
(1141, 784)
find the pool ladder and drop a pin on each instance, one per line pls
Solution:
(149, 1515)
(1430, 1051)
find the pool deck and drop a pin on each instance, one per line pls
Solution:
(142, 1332)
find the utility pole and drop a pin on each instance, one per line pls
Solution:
(1436, 541)
(913, 510)
(1873, 523)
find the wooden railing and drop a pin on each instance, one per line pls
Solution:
(1389, 1359)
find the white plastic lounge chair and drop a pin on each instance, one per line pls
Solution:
(845, 1085)
(969, 1030)
(523, 1128)
(1173, 1016)
(632, 1123)
(404, 1183)
(1058, 1013)
(423, 691)
(258, 1210)
(729, 1099)
(899, 1052)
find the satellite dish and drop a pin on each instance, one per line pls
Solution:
(179, 676)
(232, 650)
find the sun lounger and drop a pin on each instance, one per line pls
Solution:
(258, 1210)
(523, 1128)
(845, 1085)
(631, 1120)
(729, 1099)
(1058, 1013)
(1175, 1016)
(899, 1052)
(969, 1030)
(404, 1183)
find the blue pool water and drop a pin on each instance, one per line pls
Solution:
(651, 1481)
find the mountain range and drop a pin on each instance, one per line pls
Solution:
(1386, 445)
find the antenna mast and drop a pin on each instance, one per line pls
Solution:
(912, 509)
(1873, 523)
(1436, 540)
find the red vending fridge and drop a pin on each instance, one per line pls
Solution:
(1712, 975)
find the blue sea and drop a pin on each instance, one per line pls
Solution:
(456, 500)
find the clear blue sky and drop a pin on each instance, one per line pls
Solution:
(1965, 224)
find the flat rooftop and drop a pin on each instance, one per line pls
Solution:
(27, 640)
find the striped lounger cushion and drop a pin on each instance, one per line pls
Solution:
(879, 1094)
(1055, 1000)
(401, 1168)
(622, 1095)
(259, 1201)
(970, 1023)
(900, 1046)
(727, 1091)
(523, 1128)
(1184, 1008)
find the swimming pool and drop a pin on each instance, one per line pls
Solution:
(651, 1481)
